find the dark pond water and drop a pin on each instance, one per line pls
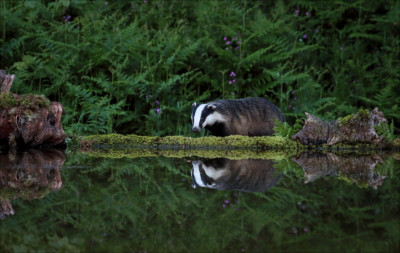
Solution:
(52, 202)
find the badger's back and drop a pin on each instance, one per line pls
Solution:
(250, 175)
(248, 116)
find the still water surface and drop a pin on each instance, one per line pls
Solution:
(309, 202)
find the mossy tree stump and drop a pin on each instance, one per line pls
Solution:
(28, 120)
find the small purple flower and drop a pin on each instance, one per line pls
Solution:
(105, 3)
(67, 19)
(157, 110)
(234, 80)
(292, 92)
(303, 207)
(341, 48)
(237, 48)
(157, 102)
(305, 229)
(225, 38)
(296, 12)
(232, 74)
(228, 43)
(223, 205)
(305, 36)
(290, 106)
(295, 98)
(144, 1)
(226, 201)
(230, 82)
(307, 13)
(104, 234)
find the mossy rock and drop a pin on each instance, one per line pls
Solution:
(229, 142)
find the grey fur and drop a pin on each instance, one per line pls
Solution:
(250, 175)
(247, 116)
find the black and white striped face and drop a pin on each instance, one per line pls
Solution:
(204, 115)
(205, 176)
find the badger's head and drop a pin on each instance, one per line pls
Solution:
(204, 115)
(206, 175)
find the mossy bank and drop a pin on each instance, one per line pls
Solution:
(210, 142)
(224, 143)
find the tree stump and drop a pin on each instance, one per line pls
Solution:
(28, 120)
(353, 129)
(359, 169)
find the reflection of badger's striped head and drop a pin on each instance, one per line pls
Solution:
(205, 176)
(205, 115)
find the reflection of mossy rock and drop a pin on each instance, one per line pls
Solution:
(359, 169)
(27, 193)
(30, 174)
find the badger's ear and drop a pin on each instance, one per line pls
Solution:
(212, 107)
(194, 104)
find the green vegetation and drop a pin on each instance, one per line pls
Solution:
(29, 101)
(256, 144)
(233, 141)
(135, 67)
(148, 204)
(232, 154)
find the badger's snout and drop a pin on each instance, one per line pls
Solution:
(196, 129)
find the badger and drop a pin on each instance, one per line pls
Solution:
(247, 116)
(249, 175)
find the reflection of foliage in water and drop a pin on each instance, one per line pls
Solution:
(148, 204)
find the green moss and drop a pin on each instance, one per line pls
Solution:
(220, 143)
(396, 142)
(24, 193)
(34, 102)
(233, 141)
(29, 101)
(7, 100)
(361, 114)
(358, 182)
(233, 154)
(345, 119)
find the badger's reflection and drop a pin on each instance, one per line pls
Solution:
(28, 175)
(250, 175)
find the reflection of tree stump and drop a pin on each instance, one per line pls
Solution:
(352, 129)
(353, 168)
(28, 175)
(29, 120)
